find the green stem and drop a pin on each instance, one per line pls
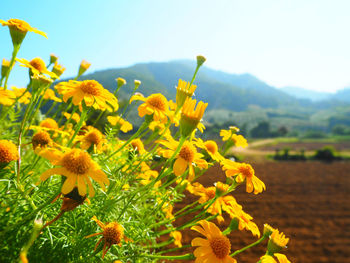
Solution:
(249, 246)
(80, 123)
(12, 62)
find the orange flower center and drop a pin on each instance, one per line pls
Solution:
(113, 233)
(210, 191)
(94, 137)
(38, 64)
(221, 246)
(246, 170)
(49, 123)
(8, 151)
(77, 161)
(157, 101)
(187, 153)
(211, 147)
(91, 87)
(41, 138)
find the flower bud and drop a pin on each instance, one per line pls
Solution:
(84, 65)
(137, 83)
(5, 66)
(200, 60)
(53, 58)
(120, 82)
(58, 69)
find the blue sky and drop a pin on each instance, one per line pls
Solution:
(301, 43)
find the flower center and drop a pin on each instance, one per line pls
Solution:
(187, 153)
(8, 151)
(221, 246)
(77, 161)
(94, 137)
(113, 233)
(41, 138)
(91, 87)
(38, 64)
(246, 170)
(157, 101)
(211, 147)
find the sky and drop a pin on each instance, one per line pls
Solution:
(301, 43)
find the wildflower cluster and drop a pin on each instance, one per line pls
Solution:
(66, 161)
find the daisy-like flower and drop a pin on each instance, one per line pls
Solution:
(186, 158)
(90, 91)
(84, 65)
(92, 137)
(7, 97)
(269, 259)
(25, 99)
(37, 66)
(244, 172)
(124, 125)
(41, 139)
(138, 146)
(215, 249)
(277, 242)
(156, 105)
(191, 117)
(49, 94)
(177, 238)
(58, 69)
(211, 148)
(8, 152)
(19, 28)
(49, 124)
(77, 166)
(184, 91)
(75, 117)
(230, 135)
(244, 220)
(112, 233)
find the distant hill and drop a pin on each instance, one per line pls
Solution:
(301, 93)
(221, 90)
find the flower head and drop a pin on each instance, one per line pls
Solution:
(49, 124)
(215, 249)
(18, 29)
(23, 94)
(7, 97)
(156, 105)
(58, 69)
(53, 58)
(211, 148)
(269, 259)
(92, 137)
(277, 242)
(90, 91)
(120, 82)
(191, 117)
(231, 136)
(183, 91)
(84, 65)
(5, 66)
(244, 172)
(118, 121)
(49, 94)
(8, 152)
(78, 167)
(37, 66)
(138, 146)
(177, 238)
(112, 233)
(41, 139)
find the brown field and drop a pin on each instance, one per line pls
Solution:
(308, 146)
(308, 201)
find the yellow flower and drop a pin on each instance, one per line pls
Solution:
(238, 140)
(186, 158)
(120, 82)
(92, 137)
(7, 97)
(177, 238)
(5, 66)
(244, 172)
(90, 91)
(25, 99)
(84, 65)
(156, 105)
(49, 124)
(124, 125)
(277, 241)
(8, 152)
(244, 221)
(58, 69)
(211, 148)
(37, 66)
(77, 166)
(19, 28)
(269, 259)
(41, 139)
(138, 146)
(112, 233)
(191, 117)
(183, 91)
(49, 94)
(215, 249)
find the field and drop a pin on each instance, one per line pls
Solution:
(308, 201)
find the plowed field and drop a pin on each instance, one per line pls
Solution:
(308, 201)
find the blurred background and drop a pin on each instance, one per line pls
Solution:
(279, 70)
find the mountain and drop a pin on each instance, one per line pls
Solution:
(221, 90)
(342, 95)
(301, 93)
